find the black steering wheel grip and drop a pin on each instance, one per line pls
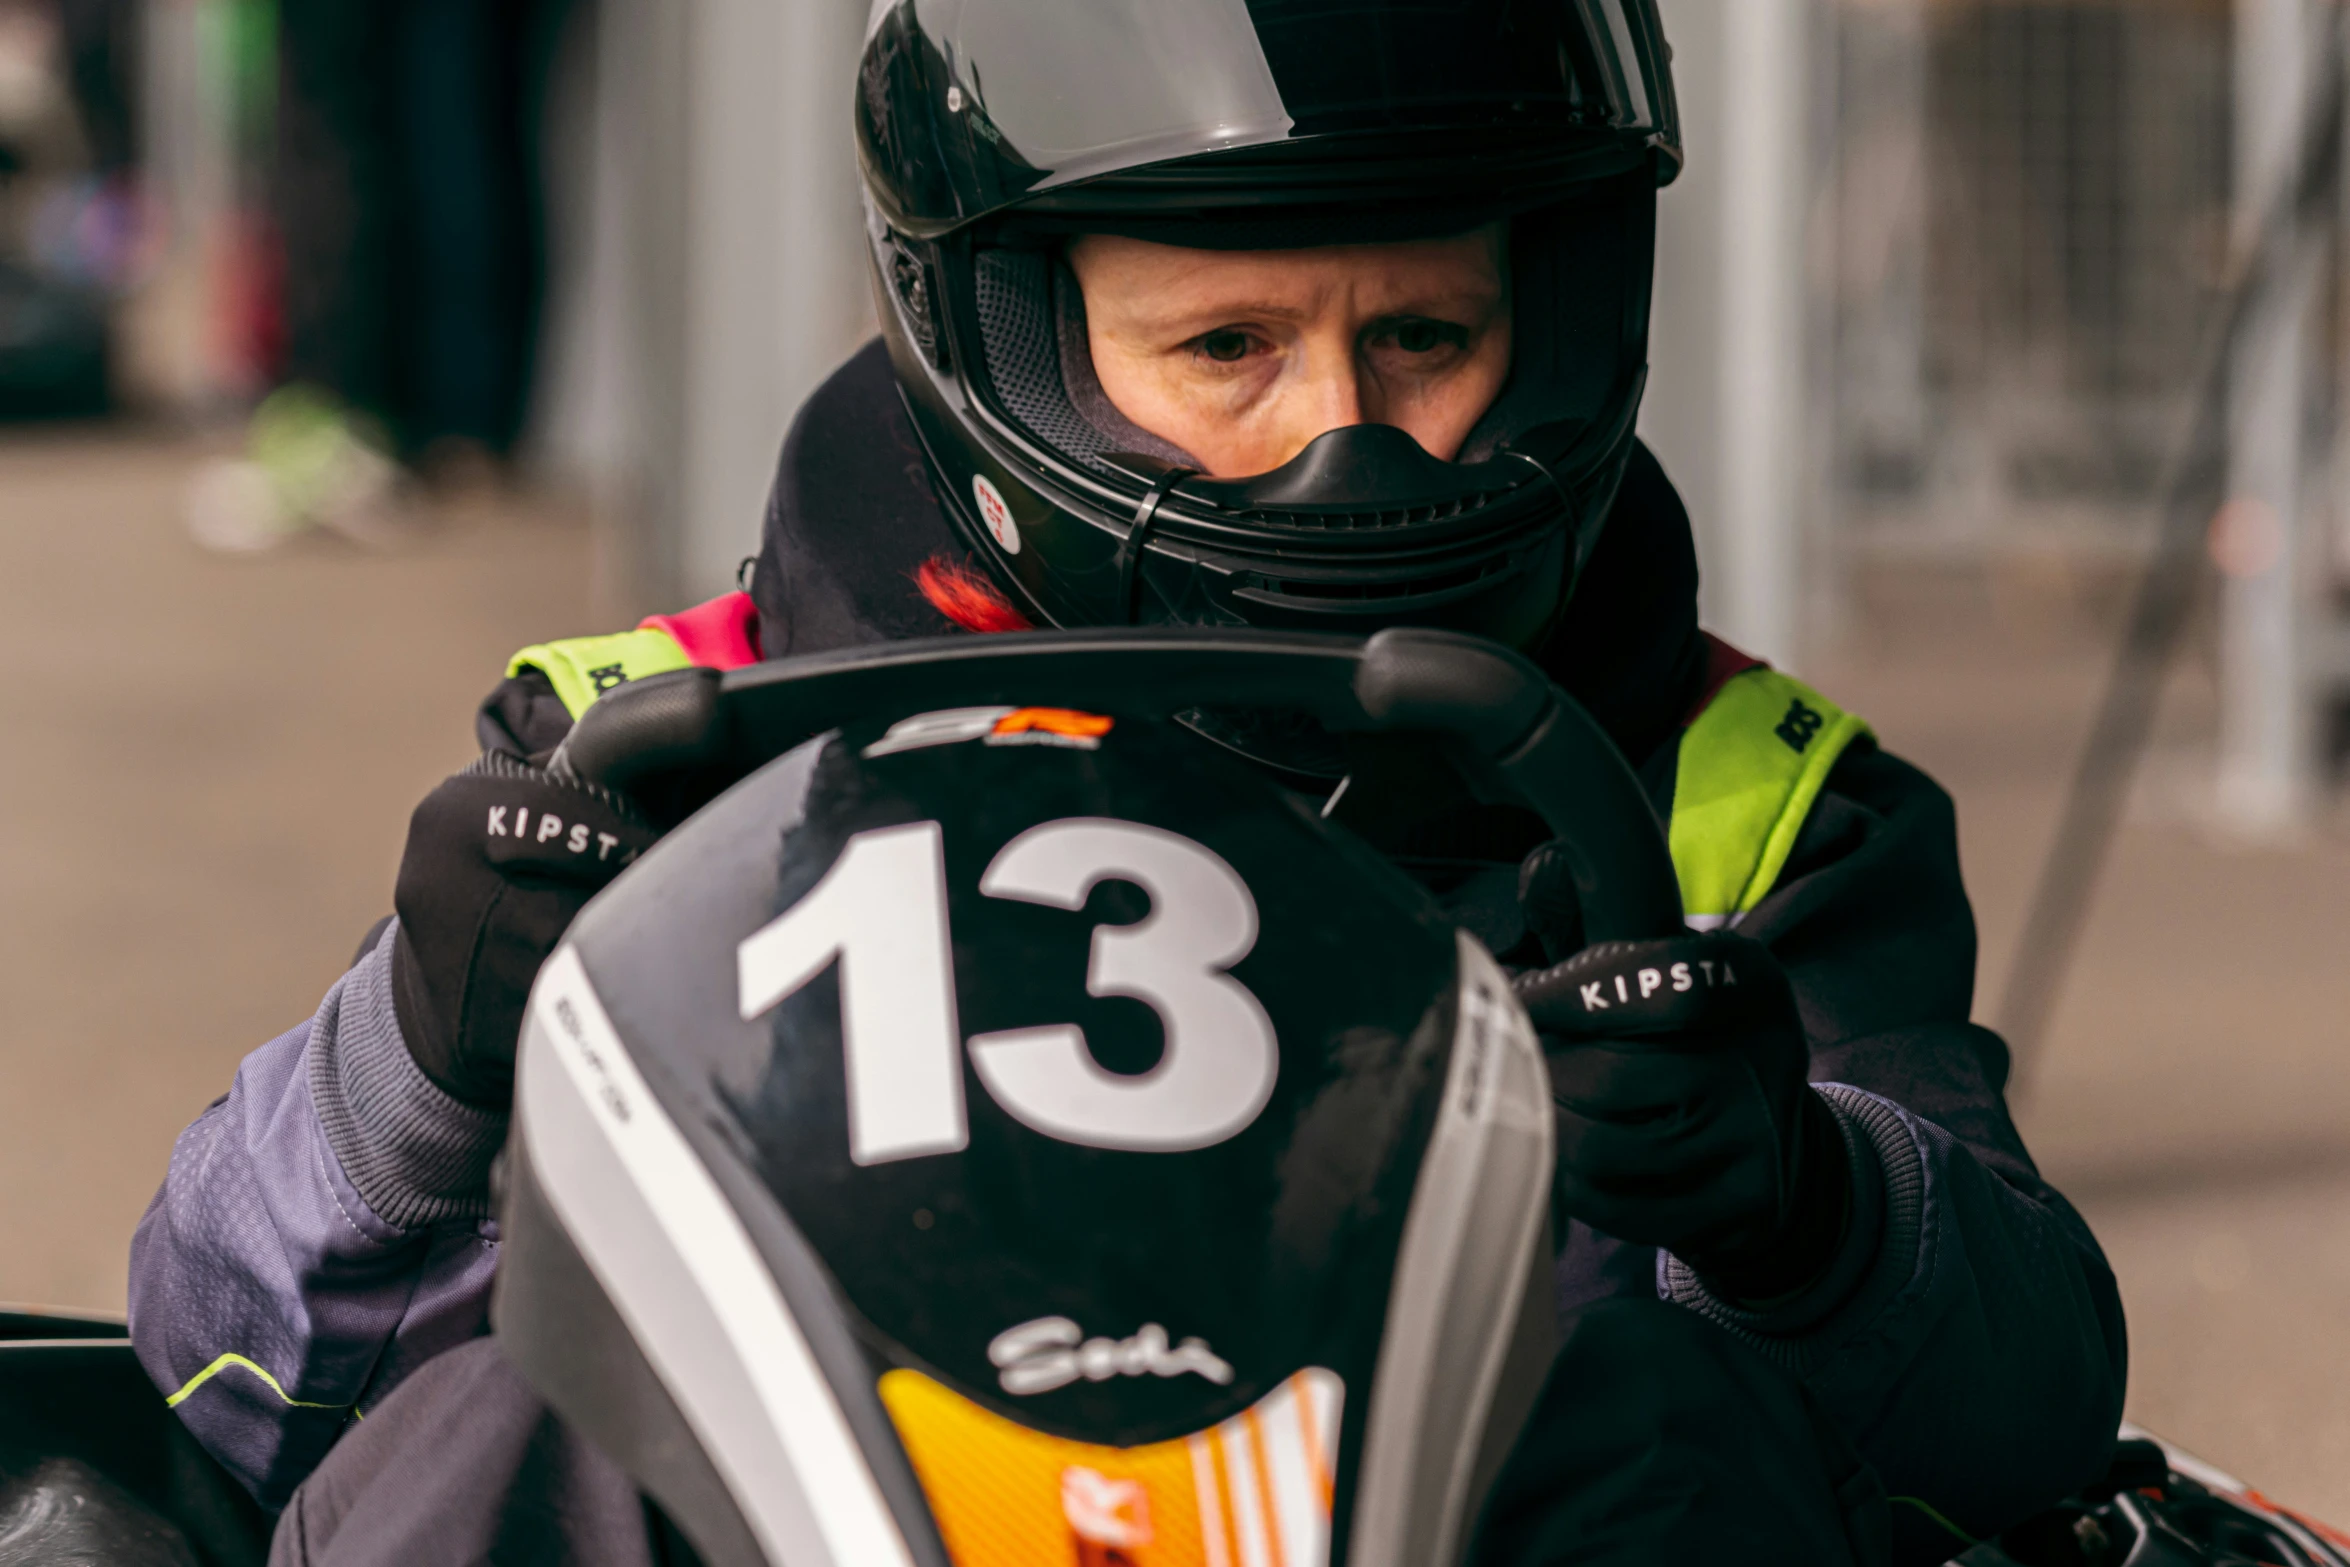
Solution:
(1501, 722)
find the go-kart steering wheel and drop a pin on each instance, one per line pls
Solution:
(1512, 735)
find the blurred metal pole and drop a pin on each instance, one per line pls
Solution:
(1877, 324)
(2265, 751)
(730, 278)
(775, 287)
(2265, 253)
(1726, 409)
(188, 162)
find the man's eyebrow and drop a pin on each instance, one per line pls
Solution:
(1448, 310)
(1234, 311)
(1441, 317)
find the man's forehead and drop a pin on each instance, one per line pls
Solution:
(1280, 282)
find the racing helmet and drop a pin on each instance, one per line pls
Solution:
(1016, 1135)
(992, 131)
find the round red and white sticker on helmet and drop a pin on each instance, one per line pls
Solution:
(996, 513)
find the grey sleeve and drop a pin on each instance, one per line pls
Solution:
(417, 1156)
(271, 1300)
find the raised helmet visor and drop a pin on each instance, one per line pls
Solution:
(967, 106)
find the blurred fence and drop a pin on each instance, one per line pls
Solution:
(2024, 228)
(2033, 217)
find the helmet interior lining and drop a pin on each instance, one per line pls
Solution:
(1083, 384)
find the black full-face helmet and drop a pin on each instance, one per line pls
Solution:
(990, 131)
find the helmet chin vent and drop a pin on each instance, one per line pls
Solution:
(1357, 594)
(1335, 521)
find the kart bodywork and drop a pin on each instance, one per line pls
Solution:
(2160, 1506)
(94, 1468)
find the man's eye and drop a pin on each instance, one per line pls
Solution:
(1226, 347)
(1425, 337)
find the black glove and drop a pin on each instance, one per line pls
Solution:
(1685, 1117)
(499, 859)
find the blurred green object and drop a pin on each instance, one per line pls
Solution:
(311, 461)
(315, 450)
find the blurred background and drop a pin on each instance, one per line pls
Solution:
(2002, 351)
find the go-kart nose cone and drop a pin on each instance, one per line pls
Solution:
(1004, 965)
(1053, 1078)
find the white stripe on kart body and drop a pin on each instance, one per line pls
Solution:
(1241, 1494)
(1211, 1501)
(1301, 1515)
(697, 1296)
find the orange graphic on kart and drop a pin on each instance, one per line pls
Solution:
(1065, 722)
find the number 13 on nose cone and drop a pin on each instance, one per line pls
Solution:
(881, 911)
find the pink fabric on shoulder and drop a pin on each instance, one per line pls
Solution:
(722, 634)
(1723, 664)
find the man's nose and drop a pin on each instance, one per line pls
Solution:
(1337, 395)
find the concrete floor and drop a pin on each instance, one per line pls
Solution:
(213, 762)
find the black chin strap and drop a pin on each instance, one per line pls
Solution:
(1138, 535)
